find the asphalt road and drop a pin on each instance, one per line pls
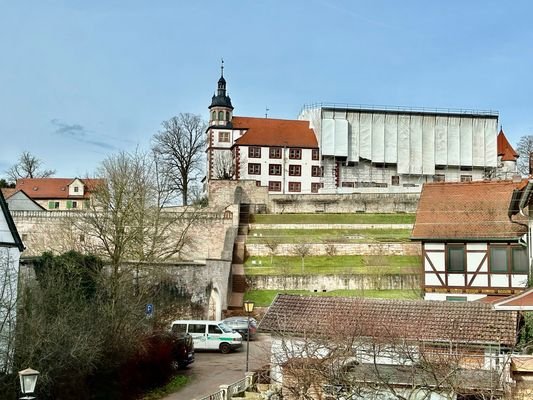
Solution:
(212, 369)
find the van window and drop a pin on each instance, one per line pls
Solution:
(225, 328)
(214, 329)
(196, 328)
(179, 328)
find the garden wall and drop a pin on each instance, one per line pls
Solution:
(323, 249)
(335, 282)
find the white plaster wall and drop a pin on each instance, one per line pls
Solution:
(442, 296)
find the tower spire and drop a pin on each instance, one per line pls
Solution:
(222, 67)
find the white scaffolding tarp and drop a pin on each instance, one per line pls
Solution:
(416, 142)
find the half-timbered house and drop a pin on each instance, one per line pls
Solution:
(475, 238)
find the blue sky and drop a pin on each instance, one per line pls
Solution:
(80, 80)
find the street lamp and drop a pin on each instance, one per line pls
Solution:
(28, 380)
(249, 308)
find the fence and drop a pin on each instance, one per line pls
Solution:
(227, 392)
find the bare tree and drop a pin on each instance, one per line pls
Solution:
(343, 362)
(223, 166)
(127, 220)
(180, 146)
(302, 249)
(272, 243)
(8, 303)
(28, 166)
(524, 149)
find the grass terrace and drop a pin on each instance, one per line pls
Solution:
(356, 218)
(325, 265)
(328, 235)
(263, 298)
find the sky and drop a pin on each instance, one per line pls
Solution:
(81, 80)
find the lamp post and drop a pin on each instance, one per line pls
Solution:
(28, 380)
(249, 308)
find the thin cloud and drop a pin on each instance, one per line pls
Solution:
(79, 133)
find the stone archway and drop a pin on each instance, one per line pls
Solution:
(214, 310)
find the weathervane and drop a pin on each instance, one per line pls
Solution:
(222, 67)
(266, 112)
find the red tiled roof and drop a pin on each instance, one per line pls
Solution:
(275, 132)
(505, 150)
(53, 188)
(424, 320)
(467, 210)
(8, 192)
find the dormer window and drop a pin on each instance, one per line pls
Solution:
(76, 189)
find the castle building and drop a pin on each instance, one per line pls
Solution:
(282, 155)
(341, 149)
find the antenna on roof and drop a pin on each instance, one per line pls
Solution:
(266, 112)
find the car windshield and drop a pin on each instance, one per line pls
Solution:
(225, 328)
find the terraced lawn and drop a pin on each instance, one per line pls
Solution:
(356, 218)
(263, 298)
(328, 235)
(324, 265)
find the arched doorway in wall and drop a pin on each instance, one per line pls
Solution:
(214, 311)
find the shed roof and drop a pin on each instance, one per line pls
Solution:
(275, 132)
(469, 211)
(435, 321)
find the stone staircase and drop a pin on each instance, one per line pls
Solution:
(238, 279)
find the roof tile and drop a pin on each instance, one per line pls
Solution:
(436, 321)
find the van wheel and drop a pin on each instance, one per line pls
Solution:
(225, 348)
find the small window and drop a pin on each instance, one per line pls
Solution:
(498, 259)
(274, 186)
(275, 152)
(179, 328)
(439, 178)
(466, 178)
(197, 328)
(76, 189)
(74, 204)
(455, 298)
(221, 116)
(258, 183)
(295, 187)
(315, 186)
(227, 116)
(214, 329)
(395, 180)
(317, 171)
(213, 115)
(315, 154)
(295, 154)
(519, 259)
(254, 152)
(274, 169)
(295, 170)
(456, 258)
(223, 137)
(348, 184)
(254, 169)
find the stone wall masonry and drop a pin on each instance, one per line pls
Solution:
(335, 282)
(330, 226)
(58, 232)
(322, 249)
(344, 203)
(225, 192)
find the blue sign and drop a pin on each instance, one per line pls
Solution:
(149, 309)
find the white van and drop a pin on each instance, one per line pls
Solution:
(209, 335)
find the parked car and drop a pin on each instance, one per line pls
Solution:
(209, 335)
(240, 324)
(183, 349)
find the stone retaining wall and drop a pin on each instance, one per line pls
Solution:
(335, 282)
(323, 249)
